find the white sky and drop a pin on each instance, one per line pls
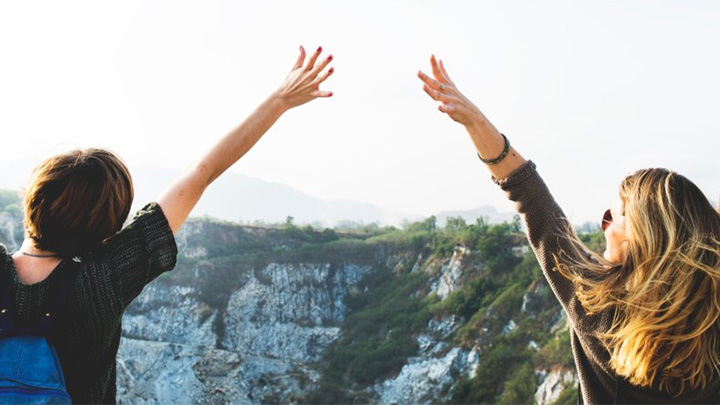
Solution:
(591, 91)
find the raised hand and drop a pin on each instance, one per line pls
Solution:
(300, 86)
(303, 82)
(454, 103)
(492, 147)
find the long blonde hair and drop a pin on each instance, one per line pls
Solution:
(666, 295)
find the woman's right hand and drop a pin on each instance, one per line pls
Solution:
(453, 102)
(303, 82)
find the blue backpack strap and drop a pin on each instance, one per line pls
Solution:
(30, 370)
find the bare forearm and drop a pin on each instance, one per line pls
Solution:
(179, 200)
(240, 140)
(490, 144)
(300, 87)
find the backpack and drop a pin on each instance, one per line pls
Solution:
(30, 370)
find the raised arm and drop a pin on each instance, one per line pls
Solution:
(300, 86)
(548, 230)
(486, 138)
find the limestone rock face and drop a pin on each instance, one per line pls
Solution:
(259, 349)
(553, 382)
(249, 314)
(290, 311)
(160, 373)
(450, 274)
(170, 314)
(425, 379)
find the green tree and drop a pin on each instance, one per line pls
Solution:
(521, 388)
(455, 225)
(428, 225)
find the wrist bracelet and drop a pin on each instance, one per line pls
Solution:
(504, 153)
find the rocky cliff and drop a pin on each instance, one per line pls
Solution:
(425, 315)
(257, 344)
(254, 315)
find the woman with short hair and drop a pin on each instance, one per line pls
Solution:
(644, 315)
(76, 204)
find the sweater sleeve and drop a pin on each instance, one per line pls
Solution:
(141, 251)
(548, 232)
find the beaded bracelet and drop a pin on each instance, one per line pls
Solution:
(502, 154)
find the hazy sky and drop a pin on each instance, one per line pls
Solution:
(590, 91)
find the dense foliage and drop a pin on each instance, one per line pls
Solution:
(505, 307)
(378, 335)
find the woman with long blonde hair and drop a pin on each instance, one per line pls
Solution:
(644, 314)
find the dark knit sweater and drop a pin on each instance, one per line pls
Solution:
(547, 230)
(107, 281)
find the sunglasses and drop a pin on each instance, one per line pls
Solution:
(607, 220)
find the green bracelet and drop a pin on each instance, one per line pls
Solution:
(502, 154)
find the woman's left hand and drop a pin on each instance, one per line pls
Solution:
(453, 102)
(303, 82)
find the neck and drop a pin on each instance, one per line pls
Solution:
(28, 246)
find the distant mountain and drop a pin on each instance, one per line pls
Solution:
(240, 198)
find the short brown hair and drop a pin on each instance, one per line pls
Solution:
(76, 200)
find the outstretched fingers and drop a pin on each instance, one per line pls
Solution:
(322, 77)
(434, 94)
(322, 65)
(438, 70)
(320, 93)
(436, 85)
(313, 58)
(435, 68)
(303, 83)
(443, 73)
(439, 96)
(429, 81)
(300, 59)
(443, 90)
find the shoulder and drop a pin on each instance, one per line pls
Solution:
(148, 223)
(142, 249)
(150, 216)
(5, 255)
(5, 260)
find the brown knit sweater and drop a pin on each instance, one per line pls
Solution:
(107, 281)
(547, 227)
